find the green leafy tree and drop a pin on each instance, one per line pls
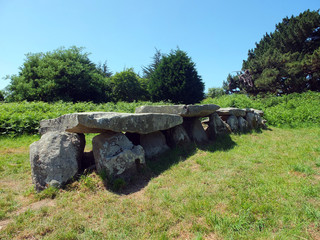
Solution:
(176, 79)
(215, 92)
(126, 86)
(286, 60)
(64, 74)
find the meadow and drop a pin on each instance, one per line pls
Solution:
(261, 185)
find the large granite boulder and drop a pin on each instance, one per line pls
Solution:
(116, 155)
(98, 122)
(56, 158)
(177, 136)
(216, 127)
(153, 143)
(232, 111)
(233, 123)
(195, 130)
(182, 110)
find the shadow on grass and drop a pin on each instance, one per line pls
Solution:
(157, 165)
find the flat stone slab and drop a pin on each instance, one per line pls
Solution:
(99, 122)
(182, 110)
(231, 111)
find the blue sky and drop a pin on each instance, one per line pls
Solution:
(216, 34)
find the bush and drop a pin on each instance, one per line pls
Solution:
(215, 92)
(64, 74)
(125, 86)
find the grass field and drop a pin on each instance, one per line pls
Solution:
(256, 186)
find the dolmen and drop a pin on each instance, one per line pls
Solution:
(125, 140)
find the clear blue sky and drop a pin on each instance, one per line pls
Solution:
(216, 34)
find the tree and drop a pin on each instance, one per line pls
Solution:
(176, 79)
(284, 61)
(1, 96)
(64, 74)
(149, 70)
(215, 92)
(104, 69)
(125, 86)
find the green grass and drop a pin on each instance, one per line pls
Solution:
(255, 186)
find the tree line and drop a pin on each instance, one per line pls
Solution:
(69, 75)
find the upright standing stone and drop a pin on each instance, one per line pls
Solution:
(233, 123)
(216, 127)
(195, 130)
(115, 154)
(252, 120)
(55, 158)
(177, 136)
(153, 143)
(243, 125)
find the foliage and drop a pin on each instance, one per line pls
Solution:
(215, 92)
(104, 69)
(176, 79)
(64, 74)
(292, 110)
(149, 70)
(286, 60)
(126, 86)
(1, 96)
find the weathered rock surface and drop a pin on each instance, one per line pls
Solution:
(177, 136)
(153, 143)
(232, 111)
(252, 110)
(260, 112)
(252, 121)
(55, 158)
(216, 127)
(195, 130)
(233, 123)
(182, 110)
(243, 125)
(115, 154)
(98, 122)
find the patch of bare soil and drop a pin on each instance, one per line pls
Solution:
(314, 232)
(14, 150)
(33, 206)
